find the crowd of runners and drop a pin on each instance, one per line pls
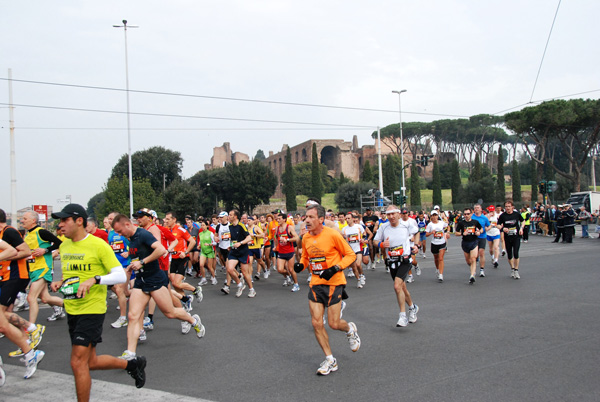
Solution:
(149, 262)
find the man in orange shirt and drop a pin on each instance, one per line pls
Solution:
(179, 258)
(327, 253)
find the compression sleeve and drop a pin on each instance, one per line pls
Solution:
(117, 275)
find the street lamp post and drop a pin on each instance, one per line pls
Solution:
(124, 26)
(401, 139)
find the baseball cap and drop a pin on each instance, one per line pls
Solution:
(222, 214)
(404, 211)
(71, 210)
(143, 212)
(434, 212)
(491, 208)
(153, 213)
(436, 207)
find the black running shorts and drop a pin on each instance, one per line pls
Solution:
(85, 329)
(178, 265)
(152, 282)
(10, 290)
(481, 243)
(400, 269)
(467, 246)
(327, 295)
(435, 248)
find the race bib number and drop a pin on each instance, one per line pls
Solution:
(318, 264)
(438, 234)
(283, 238)
(421, 229)
(493, 224)
(353, 238)
(70, 287)
(226, 236)
(470, 230)
(512, 231)
(370, 223)
(396, 251)
(118, 246)
(251, 243)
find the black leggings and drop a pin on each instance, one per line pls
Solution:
(513, 243)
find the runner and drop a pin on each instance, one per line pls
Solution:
(285, 236)
(493, 235)
(206, 240)
(150, 282)
(510, 224)
(371, 222)
(193, 228)
(482, 238)
(120, 246)
(41, 266)
(396, 237)
(422, 223)
(326, 253)
(470, 230)
(353, 234)
(439, 230)
(88, 265)
(239, 254)
(255, 246)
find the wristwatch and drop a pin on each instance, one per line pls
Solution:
(97, 278)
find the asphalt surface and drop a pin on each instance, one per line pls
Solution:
(498, 340)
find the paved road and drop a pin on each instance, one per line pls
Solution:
(499, 340)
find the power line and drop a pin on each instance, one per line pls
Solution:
(187, 116)
(548, 99)
(190, 129)
(228, 98)
(545, 48)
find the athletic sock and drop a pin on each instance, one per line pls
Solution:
(150, 316)
(31, 328)
(329, 358)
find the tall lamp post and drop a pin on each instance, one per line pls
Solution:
(401, 139)
(124, 26)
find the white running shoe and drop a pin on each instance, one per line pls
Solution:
(143, 335)
(265, 275)
(2, 373)
(252, 293)
(359, 284)
(412, 314)
(188, 304)
(213, 281)
(148, 324)
(59, 312)
(225, 289)
(198, 327)
(127, 355)
(503, 253)
(32, 363)
(517, 276)
(512, 273)
(410, 279)
(482, 273)
(417, 270)
(327, 367)
(202, 282)
(350, 274)
(198, 293)
(441, 277)
(120, 323)
(296, 287)
(353, 337)
(402, 321)
(185, 327)
(240, 289)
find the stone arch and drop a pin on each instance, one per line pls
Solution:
(329, 157)
(297, 157)
(280, 167)
(304, 155)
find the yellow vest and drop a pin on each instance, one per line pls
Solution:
(34, 241)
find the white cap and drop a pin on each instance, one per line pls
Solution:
(436, 207)
(222, 214)
(434, 212)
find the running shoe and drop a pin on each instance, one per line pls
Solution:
(503, 253)
(327, 367)
(350, 274)
(257, 277)
(296, 287)
(252, 293)
(417, 270)
(202, 282)
(16, 353)
(240, 289)
(517, 276)
(359, 284)
(143, 336)
(265, 274)
(441, 277)
(32, 363)
(59, 312)
(2, 373)
(225, 289)
(482, 273)
(185, 327)
(120, 323)
(113, 295)
(213, 281)
(127, 355)
(402, 321)
(512, 273)
(495, 264)
(410, 279)
(353, 337)
(188, 304)
(148, 324)
(36, 335)
(472, 280)
(198, 294)
(363, 280)
(138, 373)
(198, 327)
(412, 314)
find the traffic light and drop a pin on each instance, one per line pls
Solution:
(543, 187)
(402, 200)
(552, 186)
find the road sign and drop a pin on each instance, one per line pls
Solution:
(42, 211)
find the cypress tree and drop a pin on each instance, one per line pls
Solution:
(316, 185)
(437, 185)
(455, 181)
(289, 183)
(475, 175)
(534, 182)
(500, 186)
(367, 173)
(415, 188)
(516, 182)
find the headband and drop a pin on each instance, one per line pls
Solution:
(393, 211)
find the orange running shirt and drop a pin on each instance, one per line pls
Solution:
(183, 238)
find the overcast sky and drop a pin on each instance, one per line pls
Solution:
(455, 58)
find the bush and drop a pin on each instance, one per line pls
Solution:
(348, 195)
